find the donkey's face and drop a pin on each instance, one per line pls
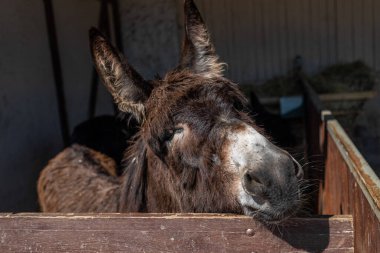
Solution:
(195, 125)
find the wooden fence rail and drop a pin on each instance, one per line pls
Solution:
(171, 233)
(348, 185)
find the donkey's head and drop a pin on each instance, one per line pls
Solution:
(202, 148)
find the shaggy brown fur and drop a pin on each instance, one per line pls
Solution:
(180, 160)
(79, 175)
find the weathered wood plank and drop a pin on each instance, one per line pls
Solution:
(361, 171)
(170, 233)
(367, 225)
(336, 194)
(315, 125)
(349, 185)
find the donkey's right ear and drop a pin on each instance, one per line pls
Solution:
(126, 86)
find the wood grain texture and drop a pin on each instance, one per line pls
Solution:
(343, 195)
(367, 225)
(315, 147)
(337, 188)
(348, 185)
(352, 188)
(170, 233)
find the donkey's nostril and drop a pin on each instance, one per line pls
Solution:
(252, 179)
(252, 183)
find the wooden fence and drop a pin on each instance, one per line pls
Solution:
(347, 185)
(171, 233)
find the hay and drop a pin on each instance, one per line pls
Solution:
(348, 77)
(355, 76)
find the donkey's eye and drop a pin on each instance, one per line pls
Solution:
(178, 130)
(170, 133)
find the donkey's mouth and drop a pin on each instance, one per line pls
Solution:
(269, 217)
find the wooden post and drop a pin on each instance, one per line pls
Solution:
(315, 125)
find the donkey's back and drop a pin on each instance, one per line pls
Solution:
(71, 180)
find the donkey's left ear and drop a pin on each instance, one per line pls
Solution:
(198, 53)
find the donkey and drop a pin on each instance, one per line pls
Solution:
(197, 149)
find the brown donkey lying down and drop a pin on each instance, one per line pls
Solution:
(197, 149)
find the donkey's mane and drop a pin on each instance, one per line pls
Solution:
(133, 190)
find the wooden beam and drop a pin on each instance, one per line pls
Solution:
(348, 96)
(331, 97)
(171, 233)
